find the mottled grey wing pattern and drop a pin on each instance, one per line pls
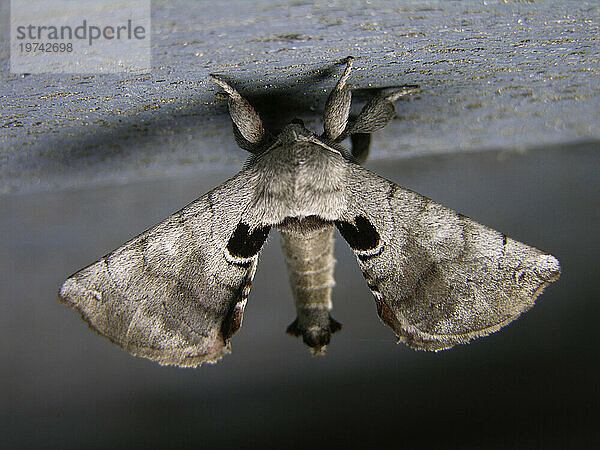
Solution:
(438, 277)
(173, 294)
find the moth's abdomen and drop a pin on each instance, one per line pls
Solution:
(308, 251)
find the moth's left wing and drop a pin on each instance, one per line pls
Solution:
(176, 293)
(438, 277)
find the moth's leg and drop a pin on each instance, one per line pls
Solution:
(248, 129)
(378, 112)
(337, 107)
(310, 263)
(360, 145)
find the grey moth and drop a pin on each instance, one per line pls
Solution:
(176, 293)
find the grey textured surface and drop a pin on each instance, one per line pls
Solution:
(493, 74)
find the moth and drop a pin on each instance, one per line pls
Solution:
(176, 293)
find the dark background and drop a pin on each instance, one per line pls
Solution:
(532, 384)
(507, 134)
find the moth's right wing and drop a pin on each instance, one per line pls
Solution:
(438, 277)
(176, 293)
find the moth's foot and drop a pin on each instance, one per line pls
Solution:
(404, 90)
(347, 60)
(231, 92)
(316, 337)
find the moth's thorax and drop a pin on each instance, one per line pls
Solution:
(299, 178)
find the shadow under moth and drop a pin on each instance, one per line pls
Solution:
(176, 293)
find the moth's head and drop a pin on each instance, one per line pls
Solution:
(294, 131)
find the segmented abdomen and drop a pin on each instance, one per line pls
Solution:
(309, 259)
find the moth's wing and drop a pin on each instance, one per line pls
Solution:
(175, 293)
(438, 277)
